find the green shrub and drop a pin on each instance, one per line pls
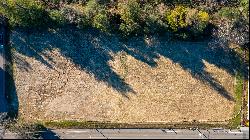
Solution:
(64, 1)
(92, 9)
(245, 4)
(245, 9)
(57, 17)
(72, 15)
(176, 18)
(83, 22)
(230, 13)
(183, 2)
(130, 12)
(95, 15)
(25, 13)
(129, 28)
(187, 22)
(153, 20)
(197, 21)
(69, 15)
(101, 22)
(51, 4)
(176, 2)
(104, 2)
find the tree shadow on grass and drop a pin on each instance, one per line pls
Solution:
(82, 49)
(11, 94)
(11, 104)
(91, 50)
(3, 102)
(190, 56)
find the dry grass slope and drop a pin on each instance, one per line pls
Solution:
(89, 76)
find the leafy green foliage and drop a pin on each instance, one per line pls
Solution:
(197, 21)
(95, 14)
(92, 8)
(245, 9)
(229, 12)
(187, 22)
(101, 22)
(170, 2)
(176, 18)
(154, 22)
(28, 13)
(58, 17)
(130, 15)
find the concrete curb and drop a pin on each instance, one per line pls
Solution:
(245, 131)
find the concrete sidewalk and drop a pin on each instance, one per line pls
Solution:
(147, 134)
(136, 134)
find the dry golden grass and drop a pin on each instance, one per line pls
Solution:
(75, 75)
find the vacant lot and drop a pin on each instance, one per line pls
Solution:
(85, 75)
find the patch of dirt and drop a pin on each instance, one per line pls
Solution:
(87, 75)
